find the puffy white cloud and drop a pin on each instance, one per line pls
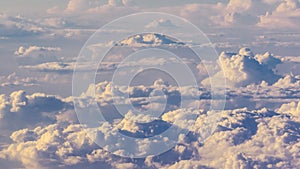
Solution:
(243, 69)
(181, 117)
(57, 140)
(34, 50)
(288, 81)
(290, 108)
(150, 39)
(288, 5)
(239, 5)
(19, 110)
(238, 13)
(246, 52)
(268, 59)
(36, 55)
(18, 100)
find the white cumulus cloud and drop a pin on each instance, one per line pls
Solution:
(242, 69)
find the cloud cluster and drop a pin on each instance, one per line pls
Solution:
(20, 110)
(107, 93)
(277, 14)
(251, 139)
(273, 14)
(284, 16)
(269, 94)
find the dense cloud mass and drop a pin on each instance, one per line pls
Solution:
(243, 138)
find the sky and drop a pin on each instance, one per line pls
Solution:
(29, 7)
(36, 6)
(149, 84)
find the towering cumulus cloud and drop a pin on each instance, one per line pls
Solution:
(243, 68)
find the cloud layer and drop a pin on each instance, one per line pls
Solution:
(259, 138)
(40, 130)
